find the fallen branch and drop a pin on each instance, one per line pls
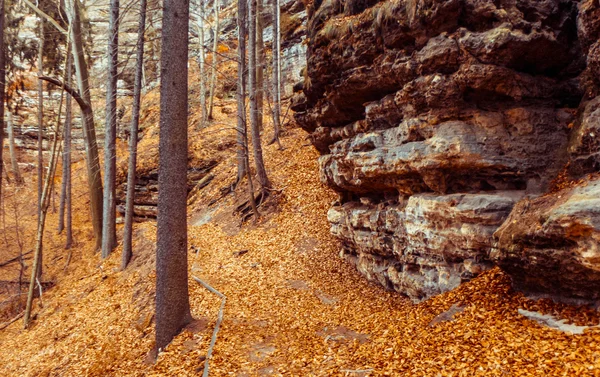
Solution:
(213, 339)
(6, 324)
(356, 371)
(15, 259)
(43, 283)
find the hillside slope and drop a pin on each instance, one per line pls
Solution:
(293, 306)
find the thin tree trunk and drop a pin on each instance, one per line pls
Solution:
(40, 157)
(201, 61)
(276, 74)
(2, 87)
(12, 149)
(213, 72)
(65, 192)
(258, 157)
(133, 139)
(172, 300)
(260, 63)
(40, 168)
(241, 92)
(89, 132)
(4, 168)
(109, 233)
(67, 153)
(37, 258)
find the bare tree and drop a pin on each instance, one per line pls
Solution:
(276, 73)
(89, 132)
(172, 300)
(254, 125)
(2, 87)
(109, 235)
(65, 208)
(213, 72)
(12, 149)
(201, 61)
(260, 63)
(242, 142)
(242, 129)
(45, 202)
(133, 139)
(40, 162)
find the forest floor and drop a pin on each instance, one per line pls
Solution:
(294, 308)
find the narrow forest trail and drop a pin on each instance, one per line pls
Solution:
(294, 308)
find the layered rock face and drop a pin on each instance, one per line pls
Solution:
(434, 118)
(551, 245)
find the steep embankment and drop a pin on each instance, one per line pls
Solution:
(435, 118)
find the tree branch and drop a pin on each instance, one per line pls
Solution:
(72, 91)
(44, 15)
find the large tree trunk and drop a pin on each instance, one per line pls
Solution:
(172, 301)
(133, 139)
(89, 132)
(276, 73)
(201, 61)
(242, 129)
(12, 149)
(213, 72)
(109, 232)
(260, 63)
(242, 144)
(40, 124)
(254, 125)
(2, 86)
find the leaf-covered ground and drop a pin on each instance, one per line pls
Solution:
(293, 307)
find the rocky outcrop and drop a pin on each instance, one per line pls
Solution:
(434, 118)
(425, 245)
(551, 245)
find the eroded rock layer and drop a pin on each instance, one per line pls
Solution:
(434, 118)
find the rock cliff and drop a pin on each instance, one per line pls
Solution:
(444, 125)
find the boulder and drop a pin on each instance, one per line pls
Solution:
(550, 245)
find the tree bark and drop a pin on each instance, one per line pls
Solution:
(201, 61)
(12, 149)
(89, 132)
(40, 124)
(213, 72)
(260, 63)
(65, 207)
(172, 301)
(109, 232)
(276, 74)
(133, 139)
(2, 87)
(254, 125)
(67, 153)
(242, 144)
(243, 159)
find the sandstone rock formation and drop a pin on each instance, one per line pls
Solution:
(551, 245)
(434, 118)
